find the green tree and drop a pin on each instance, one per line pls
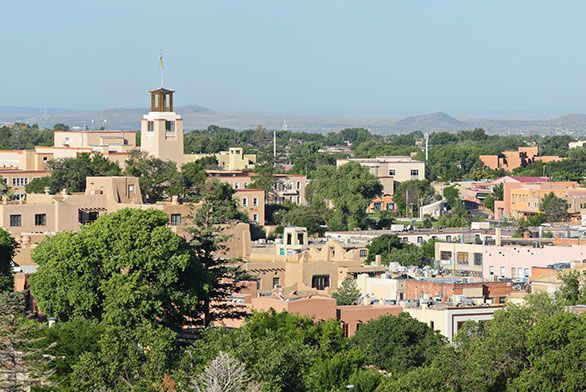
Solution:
(194, 179)
(572, 290)
(217, 212)
(398, 343)
(348, 294)
(71, 173)
(22, 365)
(264, 179)
(311, 217)
(350, 188)
(410, 195)
(127, 359)
(7, 249)
(125, 268)
(554, 208)
(158, 179)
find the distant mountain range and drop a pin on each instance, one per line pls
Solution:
(199, 117)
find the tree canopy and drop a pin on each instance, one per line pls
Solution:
(124, 268)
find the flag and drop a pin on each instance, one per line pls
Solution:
(161, 60)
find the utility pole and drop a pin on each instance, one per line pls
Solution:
(426, 146)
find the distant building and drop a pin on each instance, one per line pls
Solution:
(390, 170)
(448, 320)
(509, 160)
(288, 187)
(522, 199)
(252, 203)
(232, 160)
(577, 144)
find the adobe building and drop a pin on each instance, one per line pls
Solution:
(288, 187)
(509, 160)
(232, 160)
(522, 199)
(448, 320)
(390, 170)
(298, 266)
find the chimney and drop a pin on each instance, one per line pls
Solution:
(378, 260)
(174, 200)
(497, 233)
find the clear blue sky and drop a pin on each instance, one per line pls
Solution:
(299, 57)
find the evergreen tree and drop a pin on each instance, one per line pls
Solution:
(348, 294)
(7, 249)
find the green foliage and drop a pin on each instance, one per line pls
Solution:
(194, 179)
(23, 136)
(398, 343)
(392, 249)
(127, 359)
(348, 293)
(71, 173)
(264, 179)
(124, 268)
(158, 179)
(572, 291)
(350, 188)
(410, 195)
(554, 208)
(7, 250)
(311, 217)
(66, 342)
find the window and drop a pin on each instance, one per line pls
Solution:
(255, 202)
(19, 181)
(175, 220)
(66, 140)
(255, 217)
(502, 271)
(445, 255)
(300, 238)
(298, 185)
(15, 220)
(236, 185)
(414, 173)
(477, 258)
(299, 200)
(345, 329)
(432, 325)
(378, 206)
(513, 272)
(245, 202)
(462, 257)
(130, 189)
(420, 240)
(276, 282)
(502, 299)
(390, 206)
(448, 238)
(526, 272)
(491, 270)
(40, 219)
(151, 126)
(392, 172)
(362, 252)
(170, 126)
(320, 282)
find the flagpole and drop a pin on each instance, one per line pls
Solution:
(162, 66)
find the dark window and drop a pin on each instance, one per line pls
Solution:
(378, 206)
(87, 216)
(345, 329)
(502, 299)
(432, 325)
(477, 258)
(362, 252)
(444, 255)
(151, 126)
(392, 172)
(175, 220)
(276, 282)
(40, 219)
(320, 282)
(15, 220)
(300, 238)
(170, 126)
(448, 238)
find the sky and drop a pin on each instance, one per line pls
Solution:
(314, 57)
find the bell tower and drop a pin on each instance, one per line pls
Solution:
(161, 130)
